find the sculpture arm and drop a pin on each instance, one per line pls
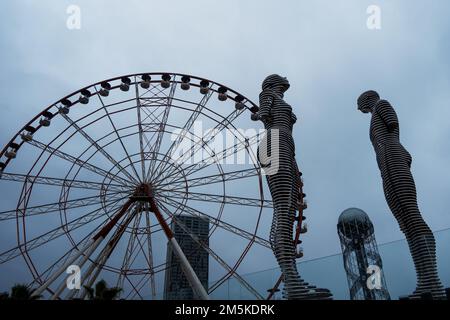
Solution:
(265, 105)
(387, 114)
(293, 118)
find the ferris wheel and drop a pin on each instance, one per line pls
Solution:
(102, 177)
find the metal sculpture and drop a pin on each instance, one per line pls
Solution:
(362, 262)
(394, 162)
(284, 184)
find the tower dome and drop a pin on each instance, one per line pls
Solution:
(355, 223)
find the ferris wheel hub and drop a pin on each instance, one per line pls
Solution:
(144, 192)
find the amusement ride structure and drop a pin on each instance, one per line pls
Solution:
(95, 179)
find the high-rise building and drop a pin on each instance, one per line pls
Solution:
(362, 262)
(176, 286)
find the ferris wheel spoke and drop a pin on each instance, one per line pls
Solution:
(135, 291)
(154, 126)
(159, 268)
(139, 246)
(141, 130)
(156, 105)
(118, 136)
(135, 253)
(186, 128)
(148, 141)
(210, 136)
(58, 206)
(143, 281)
(213, 254)
(218, 223)
(128, 255)
(211, 179)
(98, 147)
(54, 233)
(64, 258)
(208, 197)
(157, 145)
(61, 182)
(143, 115)
(150, 108)
(142, 250)
(124, 275)
(140, 285)
(77, 161)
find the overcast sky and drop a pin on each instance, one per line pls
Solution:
(323, 47)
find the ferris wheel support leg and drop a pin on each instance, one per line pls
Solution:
(80, 264)
(100, 260)
(85, 276)
(55, 275)
(190, 274)
(94, 242)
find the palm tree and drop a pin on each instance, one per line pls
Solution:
(102, 292)
(19, 292)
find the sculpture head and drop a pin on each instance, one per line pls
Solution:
(277, 83)
(367, 101)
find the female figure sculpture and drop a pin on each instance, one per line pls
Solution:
(283, 179)
(394, 163)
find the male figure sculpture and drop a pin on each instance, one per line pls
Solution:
(278, 120)
(394, 163)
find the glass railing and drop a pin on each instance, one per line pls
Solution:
(328, 272)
